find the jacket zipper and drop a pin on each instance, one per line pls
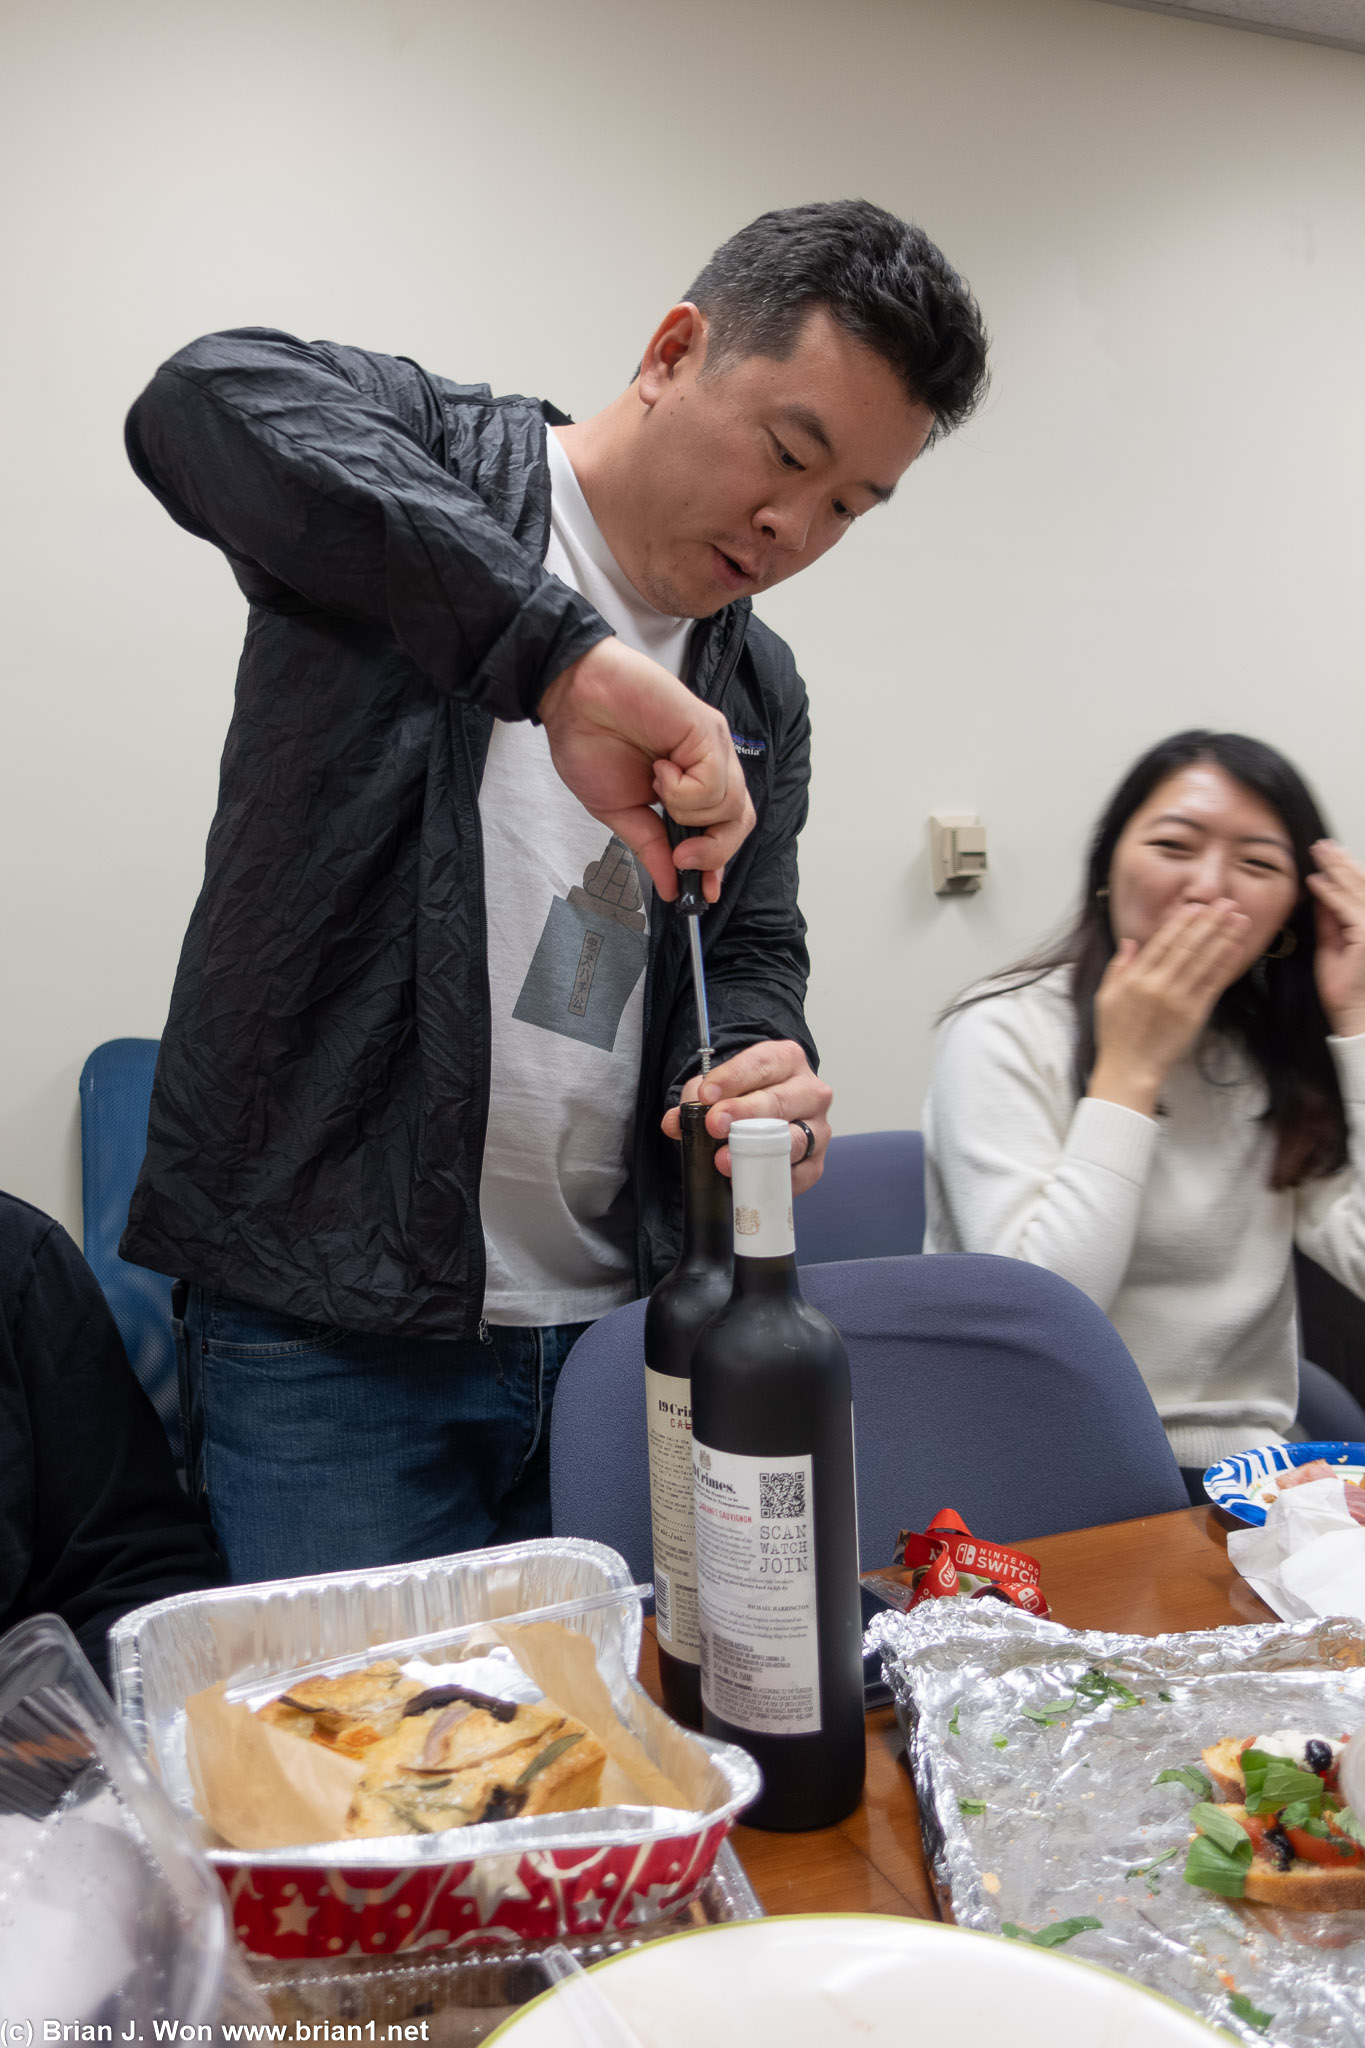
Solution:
(479, 1258)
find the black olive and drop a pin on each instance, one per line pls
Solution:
(448, 1695)
(1318, 1756)
(1282, 1846)
(503, 1804)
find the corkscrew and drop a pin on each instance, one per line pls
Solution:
(690, 905)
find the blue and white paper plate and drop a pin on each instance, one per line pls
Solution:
(1246, 1484)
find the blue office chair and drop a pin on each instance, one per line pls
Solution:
(868, 1203)
(979, 1383)
(116, 1093)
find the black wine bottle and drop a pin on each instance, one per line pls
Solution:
(776, 1514)
(682, 1302)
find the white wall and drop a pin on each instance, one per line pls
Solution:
(1158, 520)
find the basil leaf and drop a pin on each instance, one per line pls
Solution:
(1300, 1815)
(1186, 1775)
(1309, 1825)
(1141, 1869)
(952, 1725)
(1102, 1685)
(1280, 1783)
(1218, 1825)
(971, 1806)
(548, 1755)
(1045, 1718)
(1169, 1698)
(1255, 1763)
(1252, 2015)
(1218, 1870)
(1049, 1937)
(1000, 1742)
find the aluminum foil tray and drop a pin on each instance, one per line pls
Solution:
(1032, 1821)
(568, 1876)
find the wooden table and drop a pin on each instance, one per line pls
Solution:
(1163, 1573)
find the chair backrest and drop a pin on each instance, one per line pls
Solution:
(116, 1093)
(979, 1383)
(869, 1201)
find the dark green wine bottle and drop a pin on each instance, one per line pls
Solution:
(776, 1514)
(680, 1305)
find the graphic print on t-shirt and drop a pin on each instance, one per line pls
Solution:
(590, 954)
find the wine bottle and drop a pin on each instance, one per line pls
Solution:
(776, 1513)
(682, 1302)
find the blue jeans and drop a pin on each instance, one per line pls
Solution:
(321, 1450)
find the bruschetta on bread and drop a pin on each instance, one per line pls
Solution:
(1280, 1834)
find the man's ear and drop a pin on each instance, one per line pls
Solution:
(679, 338)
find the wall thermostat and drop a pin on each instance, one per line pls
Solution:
(957, 852)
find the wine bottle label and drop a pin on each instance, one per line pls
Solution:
(760, 1661)
(668, 1410)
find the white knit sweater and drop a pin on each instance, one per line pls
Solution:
(1167, 1222)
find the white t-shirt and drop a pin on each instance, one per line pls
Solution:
(568, 920)
(1169, 1223)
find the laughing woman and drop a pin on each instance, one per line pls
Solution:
(1163, 1105)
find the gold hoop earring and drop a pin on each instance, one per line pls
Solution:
(1284, 945)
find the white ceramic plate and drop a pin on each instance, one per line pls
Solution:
(866, 1980)
(1244, 1486)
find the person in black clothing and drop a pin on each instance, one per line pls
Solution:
(411, 1121)
(93, 1521)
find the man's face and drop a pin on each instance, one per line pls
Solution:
(754, 471)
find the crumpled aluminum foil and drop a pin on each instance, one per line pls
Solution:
(1072, 1814)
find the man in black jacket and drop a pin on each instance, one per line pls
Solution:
(406, 1135)
(93, 1521)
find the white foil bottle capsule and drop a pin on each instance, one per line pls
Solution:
(762, 1147)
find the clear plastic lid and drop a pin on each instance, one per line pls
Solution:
(109, 1911)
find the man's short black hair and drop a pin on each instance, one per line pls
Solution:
(880, 277)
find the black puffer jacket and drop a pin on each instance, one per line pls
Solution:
(93, 1521)
(321, 1097)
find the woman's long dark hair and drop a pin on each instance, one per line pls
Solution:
(1274, 1009)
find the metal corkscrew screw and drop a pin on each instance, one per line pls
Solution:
(690, 905)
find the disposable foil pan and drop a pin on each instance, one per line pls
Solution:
(566, 1876)
(1040, 1802)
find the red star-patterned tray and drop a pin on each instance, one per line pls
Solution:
(574, 1876)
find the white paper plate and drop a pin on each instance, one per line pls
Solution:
(1245, 1485)
(822, 1980)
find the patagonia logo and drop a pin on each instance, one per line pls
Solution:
(748, 750)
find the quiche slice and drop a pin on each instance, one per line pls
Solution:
(350, 1713)
(464, 1760)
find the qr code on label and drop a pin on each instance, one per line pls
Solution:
(781, 1496)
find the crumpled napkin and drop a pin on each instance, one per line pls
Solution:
(1309, 1557)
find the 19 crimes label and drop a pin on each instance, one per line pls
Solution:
(668, 1414)
(760, 1665)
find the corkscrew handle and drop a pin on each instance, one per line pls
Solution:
(691, 902)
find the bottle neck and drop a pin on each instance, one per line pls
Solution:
(757, 1279)
(765, 1241)
(707, 1225)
